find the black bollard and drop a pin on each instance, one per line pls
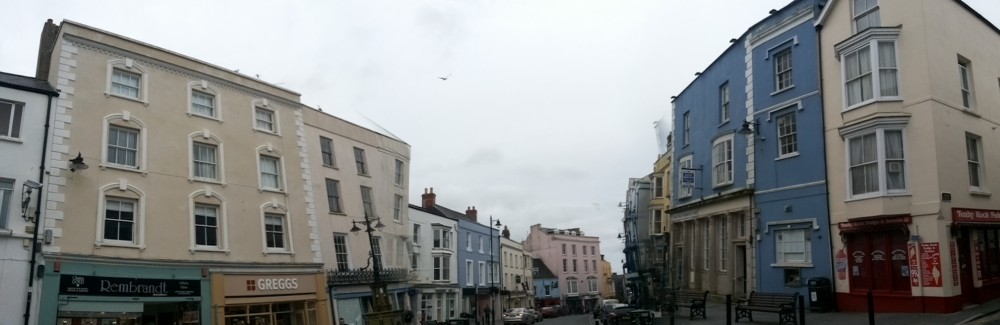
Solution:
(729, 309)
(802, 310)
(871, 308)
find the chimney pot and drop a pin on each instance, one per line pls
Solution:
(428, 199)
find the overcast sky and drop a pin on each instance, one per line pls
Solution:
(548, 106)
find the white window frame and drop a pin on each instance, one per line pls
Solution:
(346, 254)
(873, 45)
(482, 273)
(279, 173)
(782, 69)
(127, 121)
(864, 13)
(205, 137)
(481, 241)
(202, 87)
(397, 213)
(723, 161)
(208, 197)
(398, 176)
(122, 191)
(686, 162)
(129, 66)
(966, 84)
(468, 242)
(655, 222)
(6, 195)
(706, 261)
(784, 242)
(218, 225)
(880, 161)
(368, 202)
(787, 127)
(283, 219)
(724, 103)
(442, 267)
(723, 225)
(572, 287)
(687, 128)
(264, 106)
(974, 159)
(469, 272)
(14, 118)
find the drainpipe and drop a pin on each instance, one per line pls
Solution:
(38, 209)
(826, 169)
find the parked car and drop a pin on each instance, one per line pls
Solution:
(537, 315)
(550, 312)
(518, 316)
(617, 310)
(635, 317)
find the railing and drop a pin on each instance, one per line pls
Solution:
(359, 276)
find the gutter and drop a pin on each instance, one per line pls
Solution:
(38, 209)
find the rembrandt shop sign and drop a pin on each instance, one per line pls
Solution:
(975, 215)
(84, 285)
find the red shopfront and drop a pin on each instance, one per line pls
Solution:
(977, 232)
(875, 258)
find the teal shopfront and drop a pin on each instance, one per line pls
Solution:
(79, 293)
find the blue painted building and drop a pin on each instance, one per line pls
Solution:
(546, 284)
(790, 201)
(749, 208)
(480, 286)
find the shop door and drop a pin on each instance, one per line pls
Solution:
(740, 276)
(965, 268)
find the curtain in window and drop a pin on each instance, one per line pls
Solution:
(894, 159)
(264, 119)
(864, 164)
(122, 146)
(125, 84)
(202, 104)
(888, 85)
(268, 172)
(204, 161)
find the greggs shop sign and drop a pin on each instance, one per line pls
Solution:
(975, 215)
(269, 284)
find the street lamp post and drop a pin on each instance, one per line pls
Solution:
(494, 290)
(382, 312)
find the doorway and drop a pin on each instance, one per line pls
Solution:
(965, 267)
(740, 272)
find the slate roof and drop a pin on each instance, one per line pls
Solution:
(30, 84)
(543, 271)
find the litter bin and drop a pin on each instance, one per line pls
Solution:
(819, 295)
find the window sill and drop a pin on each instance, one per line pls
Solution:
(722, 185)
(791, 155)
(123, 168)
(11, 139)
(207, 249)
(723, 123)
(137, 100)
(272, 190)
(337, 213)
(364, 175)
(871, 101)
(976, 191)
(267, 132)
(783, 90)
(331, 166)
(207, 180)
(792, 265)
(213, 118)
(100, 244)
(970, 110)
(280, 252)
(874, 196)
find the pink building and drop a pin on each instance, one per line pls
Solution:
(574, 259)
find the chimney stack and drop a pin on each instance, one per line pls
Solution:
(472, 213)
(428, 198)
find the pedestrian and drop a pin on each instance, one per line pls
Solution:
(488, 315)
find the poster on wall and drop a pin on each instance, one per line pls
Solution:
(930, 264)
(914, 275)
(954, 263)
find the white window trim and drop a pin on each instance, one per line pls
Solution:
(686, 125)
(131, 122)
(981, 166)
(879, 128)
(129, 65)
(807, 248)
(205, 136)
(264, 104)
(276, 208)
(15, 107)
(221, 222)
(791, 70)
(777, 128)
(398, 208)
(347, 248)
(685, 192)
(725, 101)
(469, 272)
(966, 66)
(870, 38)
(481, 241)
(270, 151)
(482, 277)
(468, 242)
(140, 217)
(204, 87)
(732, 160)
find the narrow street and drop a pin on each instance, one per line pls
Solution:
(568, 320)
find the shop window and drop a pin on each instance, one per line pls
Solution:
(793, 278)
(989, 253)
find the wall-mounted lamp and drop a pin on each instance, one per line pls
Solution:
(732, 40)
(750, 127)
(77, 163)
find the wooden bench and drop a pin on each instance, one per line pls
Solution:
(781, 303)
(693, 300)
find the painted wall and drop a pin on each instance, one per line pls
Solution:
(548, 247)
(478, 233)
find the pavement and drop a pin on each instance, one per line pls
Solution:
(984, 314)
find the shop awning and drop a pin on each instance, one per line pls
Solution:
(99, 308)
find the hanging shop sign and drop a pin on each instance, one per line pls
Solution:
(879, 222)
(975, 215)
(84, 285)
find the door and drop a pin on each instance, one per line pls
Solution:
(965, 267)
(740, 272)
